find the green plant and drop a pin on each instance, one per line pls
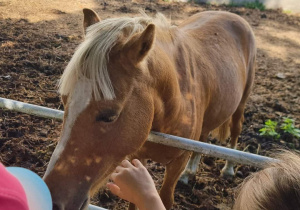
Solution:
(255, 5)
(288, 126)
(251, 5)
(232, 4)
(269, 129)
(287, 11)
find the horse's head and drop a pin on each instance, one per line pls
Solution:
(108, 107)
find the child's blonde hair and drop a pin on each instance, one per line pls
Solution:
(277, 187)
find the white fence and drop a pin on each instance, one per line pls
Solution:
(160, 138)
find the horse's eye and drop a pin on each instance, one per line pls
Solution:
(107, 116)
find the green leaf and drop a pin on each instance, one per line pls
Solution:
(289, 127)
(288, 120)
(262, 133)
(271, 123)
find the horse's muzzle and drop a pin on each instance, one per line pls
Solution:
(73, 206)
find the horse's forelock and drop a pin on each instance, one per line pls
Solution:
(91, 57)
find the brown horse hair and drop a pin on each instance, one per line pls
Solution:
(276, 187)
(222, 132)
(133, 75)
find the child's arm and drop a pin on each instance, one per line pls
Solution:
(133, 183)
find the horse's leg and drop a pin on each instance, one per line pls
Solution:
(191, 168)
(172, 174)
(235, 129)
(193, 164)
(238, 118)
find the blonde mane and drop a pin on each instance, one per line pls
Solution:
(91, 57)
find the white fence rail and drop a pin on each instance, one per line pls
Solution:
(31, 109)
(160, 138)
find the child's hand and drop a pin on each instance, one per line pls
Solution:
(133, 183)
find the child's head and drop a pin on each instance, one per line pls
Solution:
(277, 187)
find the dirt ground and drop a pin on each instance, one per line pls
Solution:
(38, 38)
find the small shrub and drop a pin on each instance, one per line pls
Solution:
(250, 5)
(255, 5)
(232, 4)
(288, 126)
(287, 12)
(269, 129)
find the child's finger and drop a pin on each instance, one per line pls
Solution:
(118, 169)
(113, 176)
(126, 164)
(137, 163)
(114, 189)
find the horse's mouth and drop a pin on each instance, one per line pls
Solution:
(85, 204)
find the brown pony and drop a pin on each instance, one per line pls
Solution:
(133, 75)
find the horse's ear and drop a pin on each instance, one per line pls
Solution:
(140, 44)
(90, 18)
(64, 99)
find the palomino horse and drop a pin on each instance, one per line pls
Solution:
(133, 75)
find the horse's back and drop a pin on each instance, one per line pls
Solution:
(225, 46)
(205, 21)
(226, 25)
